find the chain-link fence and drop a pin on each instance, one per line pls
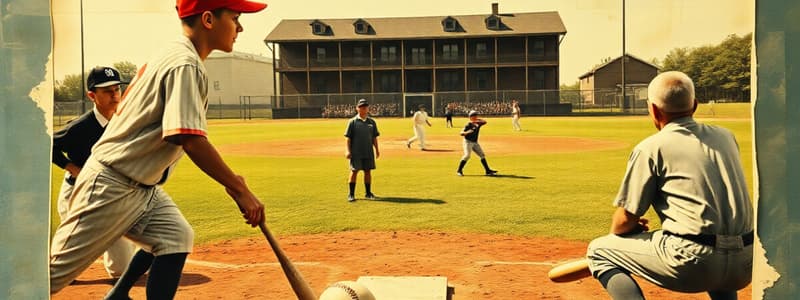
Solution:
(532, 103)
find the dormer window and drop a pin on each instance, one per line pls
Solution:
(493, 22)
(319, 28)
(361, 26)
(450, 24)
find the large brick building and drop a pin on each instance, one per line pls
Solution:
(411, 60)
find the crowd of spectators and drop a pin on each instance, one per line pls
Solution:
(348, 110)
(488, 108)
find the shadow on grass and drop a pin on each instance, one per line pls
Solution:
(512, 176)
(437, 150)
(404, 200)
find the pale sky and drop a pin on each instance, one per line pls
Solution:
(117, 30)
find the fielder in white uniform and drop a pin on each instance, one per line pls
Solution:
(420, 119)
(515, 114)
(691, 175)
(162, 115)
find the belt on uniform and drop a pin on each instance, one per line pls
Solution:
(711, 239)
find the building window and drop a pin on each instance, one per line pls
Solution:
(481, 50)
(450, 24)
(388, 54)
(319, 28)
(358, 55)
(216, 85)
(482, 80)
(538, 79)
(450, 81)
(321, 55)
(418, 56)
(361, 28)
(450, 52)
(389, 83)
(493, 22)
(358, 84)
(538, 48)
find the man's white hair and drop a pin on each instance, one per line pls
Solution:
(671, 91)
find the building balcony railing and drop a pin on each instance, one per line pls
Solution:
(355, 62)
(386, 62)
(327, 63)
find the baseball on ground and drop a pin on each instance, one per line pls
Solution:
(346, 290)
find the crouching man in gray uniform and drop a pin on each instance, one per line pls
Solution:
(691, 175)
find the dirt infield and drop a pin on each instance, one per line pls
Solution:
(395, 146)
(478, 266)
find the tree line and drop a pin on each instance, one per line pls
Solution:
(73, 87)
(720, 72)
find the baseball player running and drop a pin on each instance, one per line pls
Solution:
(162, 115)
(362, 135)
(420, 119)
(470, 134)
(73, 144)
(691, 175)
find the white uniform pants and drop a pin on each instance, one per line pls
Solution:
(515, 122)
(118, 256)
(419, 134)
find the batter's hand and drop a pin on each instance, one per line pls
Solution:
(251, 208)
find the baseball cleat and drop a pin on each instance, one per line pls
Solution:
(408, 145)
(459, 173)
(351, 198)
(491, 172)
(370, 196)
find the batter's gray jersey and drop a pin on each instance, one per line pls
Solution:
(163, 108)
(692, 176)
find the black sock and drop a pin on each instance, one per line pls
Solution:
(165, 274)
(139, 264)
(461, 165)
(352, 188)
(367, 187)
(485, 165)
(620, 285)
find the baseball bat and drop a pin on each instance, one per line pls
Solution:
(299, 285)
(570, 271)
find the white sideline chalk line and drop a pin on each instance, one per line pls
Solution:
(218, 265)
(498, 262)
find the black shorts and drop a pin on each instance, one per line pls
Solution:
(362, 164)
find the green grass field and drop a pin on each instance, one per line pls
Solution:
(563, 195)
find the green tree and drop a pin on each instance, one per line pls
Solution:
(69, 89)
(676, 60)
(571, 87)
(127, 70)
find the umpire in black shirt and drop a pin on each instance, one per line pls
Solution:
(72, 146)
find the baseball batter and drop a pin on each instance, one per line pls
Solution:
(362, 135)
(73, 144)
(691, 175)
(420, 119)
(470, 134)
(162, 115)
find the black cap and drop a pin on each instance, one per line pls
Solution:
(102, 77)
(421, 106)
(362, 102)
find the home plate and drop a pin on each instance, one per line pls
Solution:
(407, 287)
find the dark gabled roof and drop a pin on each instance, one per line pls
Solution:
(593, 70)
(420, 27)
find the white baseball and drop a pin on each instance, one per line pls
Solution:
(346, 290)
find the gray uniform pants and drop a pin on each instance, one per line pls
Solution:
(470, 146)
(104, 207)
(673, 262)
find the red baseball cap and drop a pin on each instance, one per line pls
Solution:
(192, 7)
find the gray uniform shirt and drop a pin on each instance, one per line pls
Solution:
(692, 176)
(361, 133)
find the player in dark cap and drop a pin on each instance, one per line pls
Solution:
(362, 135)
(470, 134)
